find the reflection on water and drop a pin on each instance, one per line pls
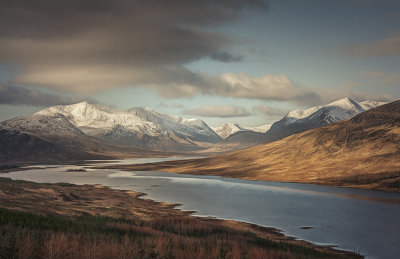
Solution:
(350, 218)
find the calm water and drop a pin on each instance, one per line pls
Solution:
(361, 220)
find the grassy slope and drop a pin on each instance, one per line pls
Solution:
(69, 221)
(362, 152)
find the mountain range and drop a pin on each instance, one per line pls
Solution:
(236, 137)
(140, 127)
(227, 129)
(85, 130)
(362, 152)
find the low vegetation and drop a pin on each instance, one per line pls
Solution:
(40, 232)
(389, 181)
(27, 235)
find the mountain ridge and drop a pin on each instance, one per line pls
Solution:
(361, 152)
(96, 128)
(137, 126)
(301, 120)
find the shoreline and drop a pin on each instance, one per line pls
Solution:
(103, 201)
(183, 167)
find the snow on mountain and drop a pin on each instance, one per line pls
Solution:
(101, 120)
(42, 125)
(300, 120)
(260, 129)
(339, 110)
(227, 129)
(366, 105)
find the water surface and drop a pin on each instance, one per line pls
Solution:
(352, 219)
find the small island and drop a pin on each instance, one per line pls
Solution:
(77, 170)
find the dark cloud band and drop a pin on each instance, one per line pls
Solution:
(14, 95)
(85, 46)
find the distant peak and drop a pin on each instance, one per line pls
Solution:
(231, 124)
(345, 100)
(138, 109)
(84, 103)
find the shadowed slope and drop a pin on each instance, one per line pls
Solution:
(40, 138)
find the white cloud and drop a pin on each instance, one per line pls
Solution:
(382, 77)
(172, 105)
(387, 47)
(221, 111)
(269, 111)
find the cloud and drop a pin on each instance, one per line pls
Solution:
(269, 111)
(13, 95)
(382, 77)
(224, 56)
(221, 111)
(172, 105)
(86, 46)
(386, 47)
(95, 45)
(266, 87)
(177, 105)
(278, 88)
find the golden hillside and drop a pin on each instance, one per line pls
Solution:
(363, 151)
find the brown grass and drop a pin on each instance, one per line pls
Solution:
(180, 237)
(65, 224)
(338, 151)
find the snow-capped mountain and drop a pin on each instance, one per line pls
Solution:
(42, 125)
(48, 138)
(260, 129)
(137, 126)
(301, 120)
(227, 129)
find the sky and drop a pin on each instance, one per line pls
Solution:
(240, 61)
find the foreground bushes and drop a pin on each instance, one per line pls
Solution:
(27, 235)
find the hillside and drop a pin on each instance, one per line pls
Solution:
(42, 138)
(363, 151)
(237, 141)
(297, 121)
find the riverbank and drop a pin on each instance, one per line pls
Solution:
(96, 221)
(360, 153)
(227, 167)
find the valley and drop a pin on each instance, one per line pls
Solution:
(362, 152)
(93, 131)
(167, 158)
(188, 129)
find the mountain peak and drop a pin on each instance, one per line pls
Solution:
(85, 103)
(99, 120)
(300, 120)
(42, 125)
(227, 129)
(345, 103)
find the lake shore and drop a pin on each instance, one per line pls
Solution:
(69, 200)
(389, 181)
